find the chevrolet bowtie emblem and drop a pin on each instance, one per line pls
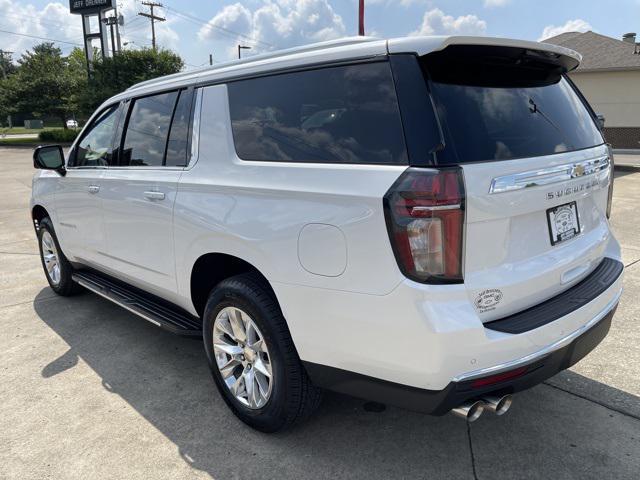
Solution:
(578, 170)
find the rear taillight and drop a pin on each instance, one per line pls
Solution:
(424, 211)
(610, 194)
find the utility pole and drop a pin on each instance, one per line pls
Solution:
(153, 19)
(119, 23)
(240, 48)
(361, 18)
(210, 59)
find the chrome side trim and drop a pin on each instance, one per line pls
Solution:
(91, 287)
(543, 352)
(548, 176)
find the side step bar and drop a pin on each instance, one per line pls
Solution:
(150, 308)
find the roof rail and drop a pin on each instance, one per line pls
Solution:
(341, 42)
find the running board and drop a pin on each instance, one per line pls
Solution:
(144, 305)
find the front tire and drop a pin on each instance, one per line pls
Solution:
(252, 356)
(56, 267)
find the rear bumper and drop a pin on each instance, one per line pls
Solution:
(427, 336)
(532, 370)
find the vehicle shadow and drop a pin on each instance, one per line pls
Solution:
(166, 380)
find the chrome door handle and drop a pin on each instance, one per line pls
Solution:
(94, 188)
(154, 195)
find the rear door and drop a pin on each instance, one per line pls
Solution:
(139, 190)
(536, 174)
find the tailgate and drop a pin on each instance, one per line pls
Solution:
(519, 248)
(535, 167)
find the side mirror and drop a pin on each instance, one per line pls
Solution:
(49, 157)
(601, 120)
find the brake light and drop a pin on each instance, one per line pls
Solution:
(424, 211)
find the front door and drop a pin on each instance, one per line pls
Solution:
(78, 197)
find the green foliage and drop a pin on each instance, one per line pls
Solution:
(114, 75)
(42, 85)
(77, 82)
(46, 84)
(7, 69)
(58, 136)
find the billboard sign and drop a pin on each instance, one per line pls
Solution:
(89, 6)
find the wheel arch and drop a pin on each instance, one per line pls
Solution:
(38, 213)
(212, 268)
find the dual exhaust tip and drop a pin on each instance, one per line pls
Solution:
(472, 410)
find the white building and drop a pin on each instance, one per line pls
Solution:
(609, 77)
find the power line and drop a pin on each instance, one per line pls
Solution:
(218, 27)
(41, 38)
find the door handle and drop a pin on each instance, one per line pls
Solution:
(154, 195)
(94, 188)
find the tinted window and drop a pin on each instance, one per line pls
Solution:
(96, 146)
(508, 112)
(147, 129)
(177, 146)
(339, 115)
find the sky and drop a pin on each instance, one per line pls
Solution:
(197, 28)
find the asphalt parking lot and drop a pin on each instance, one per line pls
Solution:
(88, 391)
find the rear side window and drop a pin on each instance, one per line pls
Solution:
(345, 114)
(506, 104)
(178, 137)
(147, 130)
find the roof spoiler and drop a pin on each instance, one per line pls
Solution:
(569, 59)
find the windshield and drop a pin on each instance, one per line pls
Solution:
(508, 112)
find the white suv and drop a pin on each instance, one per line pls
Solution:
(420, 222)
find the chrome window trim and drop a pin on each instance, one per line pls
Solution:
(548, 176)
(195, 130)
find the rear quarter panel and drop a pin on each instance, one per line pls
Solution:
(256, 211)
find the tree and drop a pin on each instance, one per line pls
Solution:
(7, 69)
(42, 83)
(78, 83)
(114, 74)
(45, 83)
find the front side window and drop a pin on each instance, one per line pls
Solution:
(345, 114)
(145, 137)
(95, 149)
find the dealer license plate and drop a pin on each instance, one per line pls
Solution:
(563, 222)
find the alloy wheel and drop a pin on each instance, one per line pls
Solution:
(242, 357)
(50, 257)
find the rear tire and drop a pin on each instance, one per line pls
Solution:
(56, 267)
(284, 397)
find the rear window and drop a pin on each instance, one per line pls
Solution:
(506, 106)
(345, 114)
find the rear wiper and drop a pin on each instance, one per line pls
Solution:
(533, 108)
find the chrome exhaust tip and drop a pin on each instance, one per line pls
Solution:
(498, 405)
(470, 411)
